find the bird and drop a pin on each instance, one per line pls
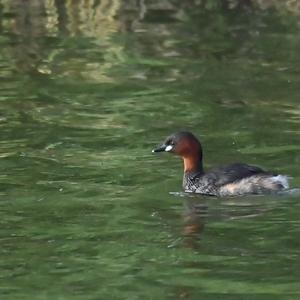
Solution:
(230, 180)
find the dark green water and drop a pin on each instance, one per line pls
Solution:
(87, 90)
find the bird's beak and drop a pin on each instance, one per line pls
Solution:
(163, 148)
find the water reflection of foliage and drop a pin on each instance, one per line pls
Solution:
(290, 6)
(37, 24)
(99, 18)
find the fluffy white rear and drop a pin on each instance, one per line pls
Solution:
(256, 184)
(282, 179)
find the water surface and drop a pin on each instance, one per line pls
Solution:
(87, 90)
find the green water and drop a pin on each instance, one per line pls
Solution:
(87, 89)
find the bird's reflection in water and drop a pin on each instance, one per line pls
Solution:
(194, 218)
(201, 210)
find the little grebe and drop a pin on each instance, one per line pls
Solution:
(234, 179)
